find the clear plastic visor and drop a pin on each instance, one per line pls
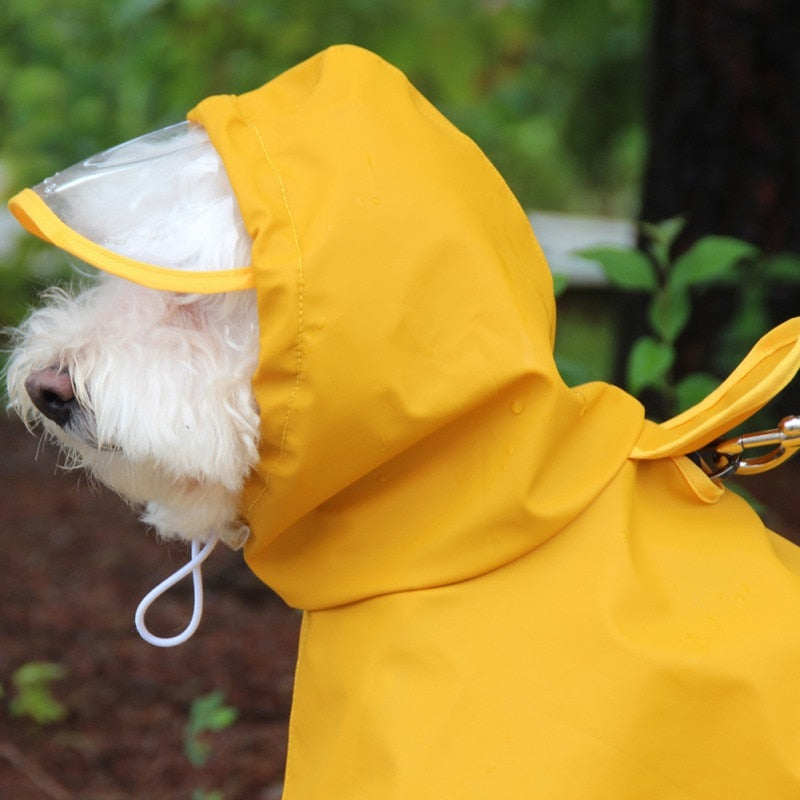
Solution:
(163, 199)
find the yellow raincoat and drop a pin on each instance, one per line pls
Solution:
(513, 589)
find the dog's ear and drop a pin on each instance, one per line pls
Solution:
(229, 312)
(188, 310)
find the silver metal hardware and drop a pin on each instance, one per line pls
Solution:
(731, 456)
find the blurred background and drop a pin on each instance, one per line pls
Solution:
(654, 144)
(554, 97)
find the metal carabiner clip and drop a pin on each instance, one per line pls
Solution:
(729, 456)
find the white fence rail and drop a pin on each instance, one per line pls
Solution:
(560, 235)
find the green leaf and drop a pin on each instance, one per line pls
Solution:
(711, 259)
(207, 713)
(693, 388)
(196, 751)
(782, 268)
(661, 236)
(649, 364)
(669, 312)
(33, 697)
(628, 269)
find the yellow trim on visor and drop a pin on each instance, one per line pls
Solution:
(37, 218)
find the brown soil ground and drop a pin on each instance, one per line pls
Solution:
(75, 563)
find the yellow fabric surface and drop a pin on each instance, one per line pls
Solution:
(503, 600)
(513, 589)
(647, 651)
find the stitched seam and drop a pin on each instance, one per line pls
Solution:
(300, 303)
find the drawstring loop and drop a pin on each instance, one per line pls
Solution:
(193, 566)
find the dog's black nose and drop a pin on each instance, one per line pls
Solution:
(51, 392)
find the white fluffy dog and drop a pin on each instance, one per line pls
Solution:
(150, 390)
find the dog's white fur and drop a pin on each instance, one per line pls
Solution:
(166, 415)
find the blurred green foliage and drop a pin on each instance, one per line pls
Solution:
(667, 285)
(674, 290)
(207, 713)
(551, 92)
(33, 697)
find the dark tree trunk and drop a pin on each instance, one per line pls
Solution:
(724, 120)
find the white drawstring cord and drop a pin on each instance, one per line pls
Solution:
(194, 565)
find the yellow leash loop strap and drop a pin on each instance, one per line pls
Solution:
(766, 369)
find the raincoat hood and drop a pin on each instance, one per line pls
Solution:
(515, 589)
(407, 323)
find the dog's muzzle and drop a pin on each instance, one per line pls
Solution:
(52, 393)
